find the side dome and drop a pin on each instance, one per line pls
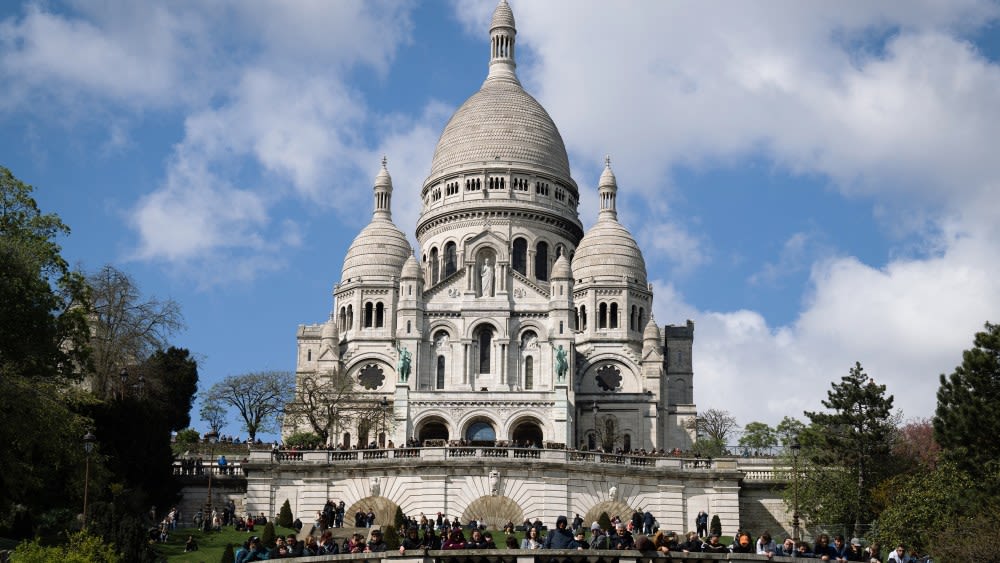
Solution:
(608, 252)
(501, 123)
(411, 269)
(379, 251)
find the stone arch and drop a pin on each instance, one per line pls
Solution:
(474, 419)
(384, 509)
(498, 329)
(430, 428)
(612, 507)
(494, 512)
(525, 429)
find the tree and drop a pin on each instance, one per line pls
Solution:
(713, 427)
(127, 329)
(43, 351)
(716, 526)
(171, 381)
(324, 402)
(916, 447)
(258, 397)
(855, 438)
(285, 515)
(758, 436)
(967, 420)
(788, 430)
(214, 414)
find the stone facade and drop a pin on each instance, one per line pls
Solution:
(513, 323)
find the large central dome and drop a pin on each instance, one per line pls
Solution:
(501, 122)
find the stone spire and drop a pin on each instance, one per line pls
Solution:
(607, 191)
(502, 33)
(383, 193)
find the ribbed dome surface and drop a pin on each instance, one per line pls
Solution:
(609, 252)
(502, 16)
(379, 250)
(560, 270)
(411, 269)
(501, 122)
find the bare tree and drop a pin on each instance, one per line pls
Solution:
(126, 328)
(716, 425)
(323, 402)
(258, 397)
(214, 414)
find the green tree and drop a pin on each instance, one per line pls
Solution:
(171, 381)
(268, 536)
(285, 515)
(304, 440)
(854, 439)
(259, 397)
(716, 526)
(43, 352)
(229, 555)
(81, 548)
(758, 436)
(788, 430)
(967, 421)
(604, 521)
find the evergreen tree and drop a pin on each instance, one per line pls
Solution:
(854, 438)
(604, 521)
(229, 555)
(967, 420)
(285, 515)
(268, 536)
(716, 526)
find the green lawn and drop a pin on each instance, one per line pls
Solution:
(210, 544)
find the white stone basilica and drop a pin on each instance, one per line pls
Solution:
(513, 324)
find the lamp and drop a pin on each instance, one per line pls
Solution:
(123, 374)
(597, 440)
(88, 446)
(383, 405)
(796, 446)
(141, 385)
(213, 437)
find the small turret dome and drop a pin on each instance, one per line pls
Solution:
(652, 331)
(380, 249)
(561, 270)
(411, 269)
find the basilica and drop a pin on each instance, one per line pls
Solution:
(508, 323)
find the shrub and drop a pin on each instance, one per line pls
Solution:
(391, 537)
(228, 556)
(716, 526)
(285, 515)
(267, 537)
(303, 440)
(604, 521)
(188, 436)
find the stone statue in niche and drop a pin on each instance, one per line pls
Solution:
(487, 279)
(613, 493)
(562, 364)
(375, 486)
(403, 366)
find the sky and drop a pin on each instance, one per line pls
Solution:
(814, 184)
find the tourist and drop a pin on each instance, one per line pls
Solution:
(874, 553)
(787, 548)
(701, 523)
(841, 550)
(477, 540)
(561, 537)
(713, 545)
(252, 551)
(692, 543)
(621, 538)
(375, 543)
(743, 544)
(327, 545)
(430, 540)
(456, 540)
(822, 549)
(898, 555)
(190, 545)
(854, 551)
(354, 544)
(410, 541)
(531, 539)
(803, 551)
(766, 546)
(512, 542)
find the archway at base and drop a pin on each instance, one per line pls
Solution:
(493, 512)
(384, 509)
(612, 507)
(527, 431)
(433, 428)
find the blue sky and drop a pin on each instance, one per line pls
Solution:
(813, 184)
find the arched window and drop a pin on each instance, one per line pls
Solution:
(591, 441)
(485, 345)
(439, 384)
(583, 317)
(347, 441)
(633, 322)
(520, 256)
(542, 261)
(641, 318)
(350, 317)
(529, 373)
(369, 314)
(435, 270)
(379, 315)
(613, 321)
(450, 259)
(576, 317)
(602, 315)
(343, 318)
(627, 443)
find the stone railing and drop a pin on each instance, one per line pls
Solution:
(537, 556)
(231, 469)
(492, 454)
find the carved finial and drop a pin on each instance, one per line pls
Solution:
(607, 160)
(384, 161)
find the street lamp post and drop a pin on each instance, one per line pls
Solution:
(383, 406)
(140, 386)
(597, 440)
(212, 436)
(796, 446)
(88, 446)
(123, 374)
